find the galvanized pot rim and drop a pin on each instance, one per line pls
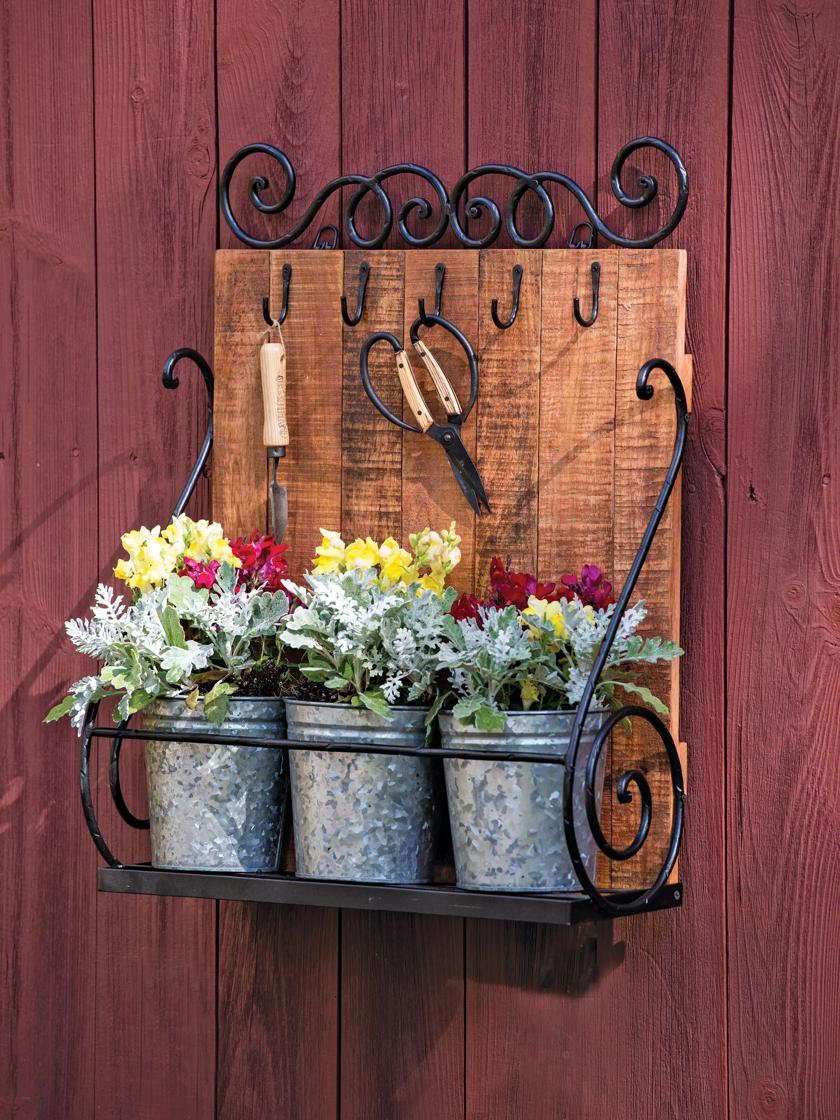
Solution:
(519, 713)
(355, 707)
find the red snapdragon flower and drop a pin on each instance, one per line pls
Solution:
(263, 562)
(508, 588)
(466, 606)
(590, 586)
(202, 574)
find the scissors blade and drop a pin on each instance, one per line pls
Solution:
(466, 474)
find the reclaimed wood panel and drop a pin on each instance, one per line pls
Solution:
(508, 413)
(240, 474)
(430, 494)
(48, 559)
(371, 447)
(651, 320)
(783, 565)
(311, 469)
(155, 137)
(277, 1012)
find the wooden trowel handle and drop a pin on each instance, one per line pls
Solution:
(273, 373)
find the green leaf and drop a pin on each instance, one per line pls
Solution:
(433, 712)
(138, 700)
(376, 702)
(192, 700)
(216, 701)
(313, 673)
(172, 627)
(466, 708)
(61, 709)
(489, 719)
(337, 683)
(646, 695)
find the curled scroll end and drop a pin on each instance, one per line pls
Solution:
(644, 390)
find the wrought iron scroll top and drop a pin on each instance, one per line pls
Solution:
(452, 209)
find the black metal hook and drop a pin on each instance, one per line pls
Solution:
(596, 283)
(284, 309)
(579, 243)
(440, 276)
(326, 238)
(503, 324)
(352, 320)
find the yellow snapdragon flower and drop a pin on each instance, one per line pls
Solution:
(548, 612)
(153, 554)
(329, 555)
(395, 563)
(150, 559)
(361, 554)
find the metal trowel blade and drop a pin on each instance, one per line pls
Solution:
(278, 506)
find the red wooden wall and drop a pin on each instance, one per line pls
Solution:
(116, 116)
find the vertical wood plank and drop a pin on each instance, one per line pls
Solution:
(430, 494)
(783, 564)
(402, 1016)
(577, 414)
(278, 78)
(651, 320)
(240, 472)
(508, 413)
(48, 561)
(278, 986)
(312, 333)
(371, 447)
(396, 78)
(156, 231)
(687, 103)
(532, 105)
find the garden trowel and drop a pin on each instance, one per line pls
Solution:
(275, 429)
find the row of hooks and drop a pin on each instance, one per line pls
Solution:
(440, 272)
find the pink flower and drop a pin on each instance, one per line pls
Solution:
(263, 562)
(202, 574)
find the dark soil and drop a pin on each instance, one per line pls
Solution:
(269, 680)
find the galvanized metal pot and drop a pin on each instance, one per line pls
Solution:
(216, 807)
(507, 818)
(358, 817)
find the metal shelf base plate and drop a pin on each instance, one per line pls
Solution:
(553, 909)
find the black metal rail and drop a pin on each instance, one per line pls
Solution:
(605, 902)
(452, 209)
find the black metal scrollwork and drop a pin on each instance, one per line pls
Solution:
(621, 903)
(456, 208)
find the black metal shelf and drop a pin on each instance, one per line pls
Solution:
(566, 909)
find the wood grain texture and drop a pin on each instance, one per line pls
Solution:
(371, 446)
(48, 494)
(278, 79)
(674, 974)
(531, 103)
(240, 474)
(394, 83)
(651, 320)
(311, 470)
(430, 494)
(402, 67)
(402, 1013)
(784, 563)
(508, 419)
(278, 1000)
(156, 230)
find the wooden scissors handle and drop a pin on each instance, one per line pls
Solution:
(411, 390)
(445, 391)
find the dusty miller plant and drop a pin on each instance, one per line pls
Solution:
(506, 659)
(178, 640)
(373, 646)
